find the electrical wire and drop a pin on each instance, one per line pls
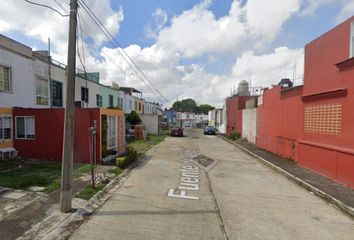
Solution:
(110, 38)
(83, 62)
(46, 6)
(125, 56)
(61, 6)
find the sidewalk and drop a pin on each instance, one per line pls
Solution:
(340, 195)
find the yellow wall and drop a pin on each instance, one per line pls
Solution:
(121, 127)
(138, 100)
(6, 143)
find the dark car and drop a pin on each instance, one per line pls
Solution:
(177, 131)
(209, 130)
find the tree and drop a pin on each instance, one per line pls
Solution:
(204, 108)
(188, 105)
(134, 118)
(177, 106)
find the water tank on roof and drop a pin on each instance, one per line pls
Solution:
(243, 88)
(285, 83)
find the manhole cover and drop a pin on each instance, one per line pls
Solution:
(196, 137)
(203, 160)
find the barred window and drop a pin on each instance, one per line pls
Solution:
(84, 94)
(25, 127)
(111, 132)
(42, 91)
(5, 79)
(99, 100)
(5, 127)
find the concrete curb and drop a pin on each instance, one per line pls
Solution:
(329, 198)
(94, 203)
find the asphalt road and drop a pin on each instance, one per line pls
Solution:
(232, 197)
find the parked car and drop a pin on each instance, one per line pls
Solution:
(177, 131)
(209, 130)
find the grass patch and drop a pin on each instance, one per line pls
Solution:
(22, 174)
(88, 192)
(142, 146)
(116, 171)
(55, 185)
(81, 169)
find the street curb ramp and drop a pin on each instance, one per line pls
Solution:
(329, 198)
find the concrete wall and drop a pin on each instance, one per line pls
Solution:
(235, 104)
(151, 123)
(129, 103)
(249, 124)
(105, 91)
(23, 80)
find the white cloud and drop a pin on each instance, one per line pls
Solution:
(311, 6)
(160, 19)
(268, 69)
(265, 18)
(197, 31)
(42, 23)
(346, 12)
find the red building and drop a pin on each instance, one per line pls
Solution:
(279, 121)
(327, 141)
(235, 104)
(313, 124)
(39, 133)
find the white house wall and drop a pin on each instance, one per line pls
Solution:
(23, 80)
(59, 74)
(93, 90)
(128, 108)
(151, 123)
(249, 124)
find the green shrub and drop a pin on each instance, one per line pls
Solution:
(120, 162)
(234, 135)
(131, 155)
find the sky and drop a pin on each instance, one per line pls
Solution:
(197, 49)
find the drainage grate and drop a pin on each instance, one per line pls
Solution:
(203, 160)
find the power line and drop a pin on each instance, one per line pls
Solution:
(125, 56)
(61, 6)
(114, 62)
(114, 42)
(109, 39)
(46, 6)
(82, 45)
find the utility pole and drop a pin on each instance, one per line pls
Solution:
(68, 141)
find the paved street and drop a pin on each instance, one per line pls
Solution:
(235, 197)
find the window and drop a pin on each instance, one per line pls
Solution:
(5, 79)
(25, 127)
(99, 100)
(352, 40)
(110, 100)
(5, 127)
(139, 107)
(42, 91)
(111, 132)
(84, 94)
(57, 93)
(120, 103)
(130, 104)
